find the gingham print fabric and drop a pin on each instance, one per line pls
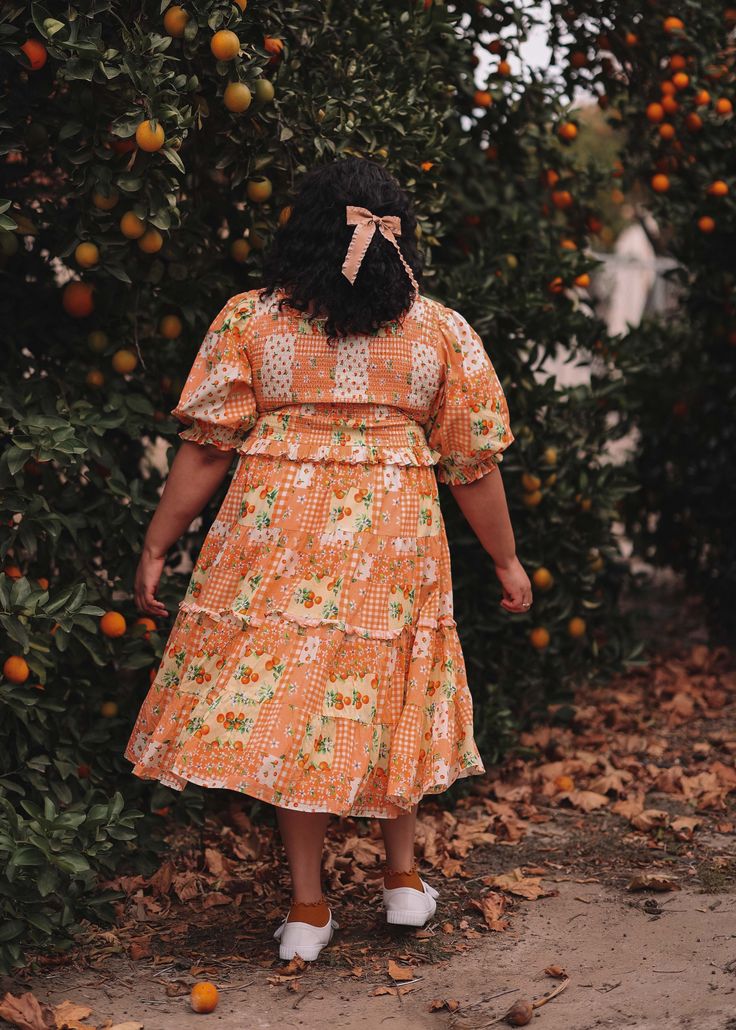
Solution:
(314, 661)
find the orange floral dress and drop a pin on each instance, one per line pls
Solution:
(314, 662)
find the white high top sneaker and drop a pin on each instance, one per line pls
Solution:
(406, 906)
(303, 939)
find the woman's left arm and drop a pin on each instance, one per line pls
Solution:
(196, 473)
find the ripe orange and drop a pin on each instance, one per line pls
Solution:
(131, 226)
(87, 255)
(237, 97)
(204, 997)
(556, 285)
(12, 572)
(681, 80)
(124, 361)
(504, 68)
(702, 98)
(225, 45)
(660, 183)
(149, 624)
(631, 39)
(273, 45)
(151, 241)
(723, 105)
(532, 499)
(242, 4)
(105, 201)
(170, 327)
(16, 669)
(655, 112)
(427, 166)
(264, 91)
(530, 482)
(667, 88)
(284, 215)
(550, 456)
(562, 199)
(259, 190)
(112, 624)
(596, 562)
(97, 341)
(667, 130)
(539, 638)
(551, 177)
(94, 378)
(706, 223)
(542, 578)
(694, 122)
(672, 24)
(239, 250)
(36, 53)
(43, 582)
(109, 709)
(576, 627)
(150, 136)
(677, 62)
(482, 98)
(175, 21)
(582, 280)
(568, 130)
(719, 188)
(77, 299)
(670, 105)
(568, 244)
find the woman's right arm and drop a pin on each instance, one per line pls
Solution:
(196, 473)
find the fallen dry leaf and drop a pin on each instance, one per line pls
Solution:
(650, 818)
(451, 1004)
(492, 905)
(127, 1026)
(26, 1012)
(296, 965)
(556, 971)
(69, 1014)
(397, 972)
(515, 882)
(652, 882)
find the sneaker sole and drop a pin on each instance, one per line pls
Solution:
(405, 917)
(309, 954)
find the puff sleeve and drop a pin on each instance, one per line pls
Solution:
(218, 403)
(469, 420)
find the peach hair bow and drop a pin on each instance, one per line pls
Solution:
(366, 223)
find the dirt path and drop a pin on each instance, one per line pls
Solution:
(628, 967)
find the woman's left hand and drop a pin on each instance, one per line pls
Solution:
(147, 578)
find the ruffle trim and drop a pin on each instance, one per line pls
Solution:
(353, 454)
(222, 437)
(235, 618)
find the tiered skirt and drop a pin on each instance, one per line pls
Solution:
(314, 662)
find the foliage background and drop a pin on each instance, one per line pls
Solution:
(507, 209)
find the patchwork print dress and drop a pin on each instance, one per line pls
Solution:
(314, 661)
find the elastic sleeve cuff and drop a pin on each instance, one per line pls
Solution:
(222, 437)
(460, 475)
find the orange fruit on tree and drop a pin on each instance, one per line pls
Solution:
(97, 341)
(681, 80)
(36, 53)
(124, 361)
(109, 709)
(150, 136)
(504, 68)
(15, 669)
(77, 299)
(170, 327)
(530, 482)
(655, 112)
(702, 98)
(670, 105)
(264, 91)
(556, 285)
(151, 241)
(561, 199)
(723, 105)
(706, 223)
(631, 39)
(660, 183)
(87, 255)
(539, 638)
(94, 378)
(677, 62)
(719, 188)
(112, 624)
(237, 97)
(259, 189)
(667, 88)
(12, 572)
(568, 131)
(532, 499)
(149, 624)
(225, 45)
(482, 98)
(582, 280)
(694, 122)
(175, 21)
(239, 250)
(673, 24)
(550, 456)
(273, 45)
(242, 4)
(131, 226)
(43, 582)
(284, 215)
(105, 201)
(204, 997)
(542, 578)
(568, 244)
(551, 177)
(576, 627)
(667, 130)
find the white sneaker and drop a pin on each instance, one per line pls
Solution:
(303, 939)
(406, 906)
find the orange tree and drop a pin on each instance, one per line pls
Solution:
(667, 76)
(149, 152)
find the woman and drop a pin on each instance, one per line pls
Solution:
(314, 662)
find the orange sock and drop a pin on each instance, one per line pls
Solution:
(393, 878)
(316, 913)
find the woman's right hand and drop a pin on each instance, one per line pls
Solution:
(517, 590)
(147, 578)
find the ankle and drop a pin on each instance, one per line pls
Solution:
(316, 913)
(395, 878)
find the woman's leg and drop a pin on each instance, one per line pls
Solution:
(303, 836)
(398, 839)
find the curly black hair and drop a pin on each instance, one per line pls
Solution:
(306, 257)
